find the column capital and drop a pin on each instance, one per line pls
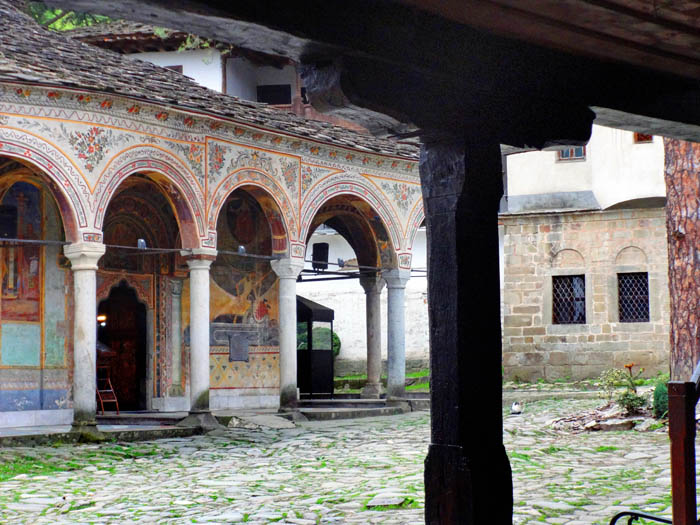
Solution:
(372, 283)
(84, 255)
(287, 268)
(199, 258)
(396, 278)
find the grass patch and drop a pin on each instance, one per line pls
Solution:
(28, 465)
(606, 448)
(419, 386)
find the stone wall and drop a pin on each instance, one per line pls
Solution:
(598, 245)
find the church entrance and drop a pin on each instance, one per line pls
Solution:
(121, 346)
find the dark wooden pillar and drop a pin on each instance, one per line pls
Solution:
(467, 473)
(682, 174)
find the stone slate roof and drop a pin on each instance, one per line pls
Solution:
(31, 54)
(116, 29)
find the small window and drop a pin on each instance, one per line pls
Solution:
(275, 94)
(641, 138)
(175, 68)
(576, 153)
(633, 297)
(569, 299)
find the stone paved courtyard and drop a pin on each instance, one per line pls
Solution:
(327, 473)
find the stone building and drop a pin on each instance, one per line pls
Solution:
(585, 259)
(179, 216)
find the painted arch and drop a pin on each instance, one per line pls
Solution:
(63, 180)
(174, 179)
(269, 194)
(341, 184)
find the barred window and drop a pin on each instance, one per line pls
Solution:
(633, 297)
(568, 299)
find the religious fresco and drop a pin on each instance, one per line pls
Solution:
(21, 275)
(244, 304)
(33, 338)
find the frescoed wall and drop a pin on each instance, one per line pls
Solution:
(120, 170)
(34, 324)
(244, 332)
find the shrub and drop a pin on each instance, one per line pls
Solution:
(610, 379)
(660, 402)
(320, 339)
(630, 401)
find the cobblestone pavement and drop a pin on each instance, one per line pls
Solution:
(328, 473)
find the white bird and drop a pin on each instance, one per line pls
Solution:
(516, 408)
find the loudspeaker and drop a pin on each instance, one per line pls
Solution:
(8, 222)
(319, 255)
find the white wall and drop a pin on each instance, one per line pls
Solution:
(347, 298)
(201, 65)
(623, 170)
(616, 169)
(243, 77)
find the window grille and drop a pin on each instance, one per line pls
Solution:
(633, 297)
(568, 299)
(576, 153)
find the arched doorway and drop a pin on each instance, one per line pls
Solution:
(122, 346)
(140, 212)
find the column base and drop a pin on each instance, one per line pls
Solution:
(203, 420)
(459, 489)
(87, 432)
(395, 392)
(371, 391)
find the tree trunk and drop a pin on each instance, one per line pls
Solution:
(682, 174)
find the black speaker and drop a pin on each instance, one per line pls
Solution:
(319, 255)
(8, 222)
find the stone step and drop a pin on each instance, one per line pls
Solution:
(342, 403)
(325, 414)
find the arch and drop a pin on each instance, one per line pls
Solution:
(643, 202)
(415, 221)
(631, 256)
(141, 284)
(171, 175)
(269, 194)
(341, 184)
(62, 179)
(568, 258)
(360, 225)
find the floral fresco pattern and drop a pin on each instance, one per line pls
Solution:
(403, 195)
(91, 145)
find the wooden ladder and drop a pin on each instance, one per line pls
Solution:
(105, 390)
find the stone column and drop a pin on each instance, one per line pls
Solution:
(466, 465)
(373, 292)
(83, 257)
(396, 332)
(199, 263)
(288, 270)
(176, 338)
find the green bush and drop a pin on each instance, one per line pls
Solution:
(660, 403)
(630, 401)
(320, 335)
